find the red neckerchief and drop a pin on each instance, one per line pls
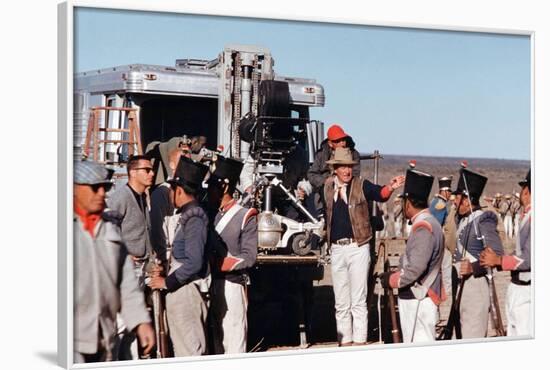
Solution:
(89, 221)
(228, 205)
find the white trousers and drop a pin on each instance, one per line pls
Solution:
(349, 267)
(518, 310)
(508, 226)
(516, 225)
(228, 315)
(418, 319)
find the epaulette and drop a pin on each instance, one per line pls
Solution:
(252, 212)
(440, 204)
(488, 215)
(112, 216)
(422, 224)
(192, 212)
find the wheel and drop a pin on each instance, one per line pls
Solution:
(301, 244)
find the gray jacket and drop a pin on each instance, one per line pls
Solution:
(424, 254)
(135, 222)
(239, 239)
(104, 284)
(520, 261)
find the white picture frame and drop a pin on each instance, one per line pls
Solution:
(469, 18)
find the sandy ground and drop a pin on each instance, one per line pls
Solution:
(275, 315)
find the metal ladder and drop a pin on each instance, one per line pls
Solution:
(97, 136)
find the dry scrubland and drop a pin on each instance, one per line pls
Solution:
(503, 177)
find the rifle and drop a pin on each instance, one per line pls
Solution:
(493, 299)
(159, 318)
(395, 332)
(453, 322)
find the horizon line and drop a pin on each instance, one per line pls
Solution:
(413, 156)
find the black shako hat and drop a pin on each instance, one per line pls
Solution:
(189, 173)
(445, 183)
(418, 185)
(526, 181)
(474, 182)
(226, 170)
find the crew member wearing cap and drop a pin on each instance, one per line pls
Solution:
(419, 277)
(234, 246)
(475, 229)
(518, 297)
(320, 169)
(349, 230)
(186, 307)
(105, 283)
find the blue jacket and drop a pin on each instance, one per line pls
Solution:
(486, 224)
(439, 209)
(189, 247)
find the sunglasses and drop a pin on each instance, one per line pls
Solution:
(104, 186)
(146, 169)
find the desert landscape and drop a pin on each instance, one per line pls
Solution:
(313, 313)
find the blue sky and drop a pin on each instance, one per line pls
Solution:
(401, 91)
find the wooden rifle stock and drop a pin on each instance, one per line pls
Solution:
(159, 316)
(395, 332)
(495, 307)
(164, 343)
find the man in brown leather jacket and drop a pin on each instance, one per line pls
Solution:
(348, 232)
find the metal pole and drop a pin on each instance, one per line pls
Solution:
(376, 163)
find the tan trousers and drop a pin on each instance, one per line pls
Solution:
(186, 312)
(474, 308)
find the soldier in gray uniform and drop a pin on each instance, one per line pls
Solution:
(518, 297)
(471, 221)
(234, 245)
(186, 306)
(419, 275)
(440, 209)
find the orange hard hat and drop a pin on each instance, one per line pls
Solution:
(335, 132)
